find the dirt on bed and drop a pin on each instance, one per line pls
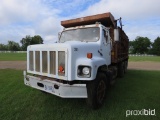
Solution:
(22, 65)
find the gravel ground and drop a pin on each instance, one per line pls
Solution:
(144, 65)
(22, 65)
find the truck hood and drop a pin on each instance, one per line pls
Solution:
(76, 46)
(46, 59)
(82, 46)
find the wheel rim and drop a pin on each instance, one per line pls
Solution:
(101, 91)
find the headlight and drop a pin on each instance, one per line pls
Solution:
(85, 70)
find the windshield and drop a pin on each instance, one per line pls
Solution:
(82, 34)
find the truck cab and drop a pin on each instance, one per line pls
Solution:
(90, 47)
(79, 65)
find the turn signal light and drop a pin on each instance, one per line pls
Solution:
(89, 55)
(61, 69)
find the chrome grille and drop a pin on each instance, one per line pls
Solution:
(52, 62)
(47, 63)
(44, 62)
(31, 60)
(61, 61)
(37, 62)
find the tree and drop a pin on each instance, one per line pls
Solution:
(3, 47)
(141, 45)
(25, 42)
(131, 46)
(13, 46)
(36, 40)
(156, 46)
(28, 40)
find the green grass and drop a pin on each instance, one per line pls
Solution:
(144, 58)
(23, 57)
(13, 56)
(136, 91)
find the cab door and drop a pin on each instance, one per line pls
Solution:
(106, 46)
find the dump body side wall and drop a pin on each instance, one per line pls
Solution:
(106, 19)
(119, 48)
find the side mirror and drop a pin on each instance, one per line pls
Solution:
(116, 35)
(59, 35)
(105, 35)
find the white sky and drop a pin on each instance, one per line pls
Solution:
(19, 18)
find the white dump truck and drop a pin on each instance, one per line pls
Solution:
(90, 53)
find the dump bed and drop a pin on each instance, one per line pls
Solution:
(106, 19)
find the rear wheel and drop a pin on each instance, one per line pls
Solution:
(96, 91)
(121, 69)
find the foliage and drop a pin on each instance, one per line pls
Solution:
(131, 46)
(3, 47)
(25, 42)
(36, 40)
(13, 46)
(156, 46)
(28, 40)
(141, 45)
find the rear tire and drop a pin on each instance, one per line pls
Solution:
(121, 69)
(96, 91)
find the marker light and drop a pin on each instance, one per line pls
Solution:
(89, 55)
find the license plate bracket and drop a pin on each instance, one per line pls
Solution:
(49, 88)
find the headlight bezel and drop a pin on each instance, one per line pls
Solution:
(80, 71)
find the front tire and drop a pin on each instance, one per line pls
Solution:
(96, 91)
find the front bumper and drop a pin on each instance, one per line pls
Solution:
(56, 88)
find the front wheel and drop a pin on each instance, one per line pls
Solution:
(96, 91)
